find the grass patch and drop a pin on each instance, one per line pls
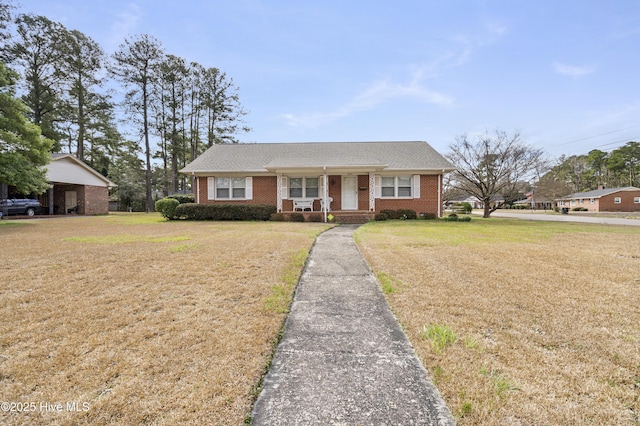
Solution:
(125, 238)
(387, 282)
(440, 336)
(281, 294)
(161, 323)
(546, 314)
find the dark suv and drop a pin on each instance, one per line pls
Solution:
(25, 206)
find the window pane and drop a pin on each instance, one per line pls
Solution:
(388, 192)
(222, 182)
(404, 180)
(404, 191)
(237, 182)
(222, 192)
(295, 187)
(238, 192)
(312, 187)
(388, 181)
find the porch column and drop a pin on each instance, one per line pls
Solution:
(325, 189)
(372, 192)
(50, 191)
(279, 192)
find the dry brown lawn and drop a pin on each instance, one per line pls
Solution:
(141, 321)
(544, 318)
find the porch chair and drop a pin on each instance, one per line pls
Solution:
(329, 201)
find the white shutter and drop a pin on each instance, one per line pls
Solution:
(285, 187)
(416, 186)
(378, 181)
(211, 188)
(248, 188)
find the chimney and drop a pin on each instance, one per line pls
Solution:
(601, 187)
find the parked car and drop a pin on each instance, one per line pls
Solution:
(25, 206)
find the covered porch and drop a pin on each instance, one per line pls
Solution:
(347, 193)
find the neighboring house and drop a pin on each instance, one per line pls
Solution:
(336, 177)
(75, 188)
(625, 199)
(535, 202)
(471, 199)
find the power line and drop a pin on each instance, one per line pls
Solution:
(597, 136)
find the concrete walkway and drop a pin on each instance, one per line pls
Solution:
(344, 360)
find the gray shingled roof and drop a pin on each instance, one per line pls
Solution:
(267, 157)
(597, 193)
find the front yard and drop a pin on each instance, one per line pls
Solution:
(140, 321)
(128, 319)
(518, 322)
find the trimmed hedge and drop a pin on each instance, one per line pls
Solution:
(183, 198)
(397, 214)
(167, 207)
(192, 211)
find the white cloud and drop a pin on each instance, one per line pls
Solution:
(571, 70)
(125, 24)
(376, 94)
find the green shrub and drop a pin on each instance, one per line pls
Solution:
(464, 219)
(391, 214)
(406, 214)
(580, 209)
(296, 217)
(167, 207)
(428, 216)
(278, 217)
(381, 216)
(192, 211)
(466, 207)
(183, 198)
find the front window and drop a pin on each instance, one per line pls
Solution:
(303, 187)
(230, 187)
(617, 200)
(395, 186)
(636, 200)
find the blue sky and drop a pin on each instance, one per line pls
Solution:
(563, 72)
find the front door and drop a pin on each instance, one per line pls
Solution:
(349, 193)
(70, 201)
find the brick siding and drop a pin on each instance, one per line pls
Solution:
(265, 192)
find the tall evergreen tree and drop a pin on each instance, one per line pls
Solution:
(134, 66)
(23, 150)
(35, 52)
(80, 66)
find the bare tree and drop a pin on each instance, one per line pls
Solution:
(493, 166)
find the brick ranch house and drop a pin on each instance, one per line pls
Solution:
(340, 178)
(625, 199)
(74, 188)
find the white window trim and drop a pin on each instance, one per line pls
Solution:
(617, 200)
(212, 193)
(414, 182)
(636, 200)
(304, 187)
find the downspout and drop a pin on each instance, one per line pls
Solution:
(193, 176)
(440, 195)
